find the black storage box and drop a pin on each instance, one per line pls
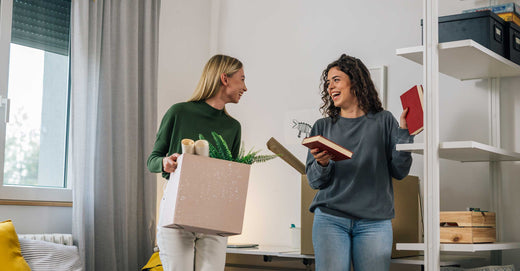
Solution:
(512, 44)
(484, 27)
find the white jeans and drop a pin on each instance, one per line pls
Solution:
(181, 250)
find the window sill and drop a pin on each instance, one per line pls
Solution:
(35, 203)
(35, 194)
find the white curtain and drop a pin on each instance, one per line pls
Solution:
(113, 126)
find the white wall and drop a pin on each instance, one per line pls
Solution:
(284, 45)
(41, 219)
(184, 47)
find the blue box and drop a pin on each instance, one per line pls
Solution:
(509, 7)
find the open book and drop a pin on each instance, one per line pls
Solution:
(338, 152)
(413, 100)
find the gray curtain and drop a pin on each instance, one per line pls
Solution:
(114, 47)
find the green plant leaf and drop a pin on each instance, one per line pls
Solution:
(222, 148)
(221, 151)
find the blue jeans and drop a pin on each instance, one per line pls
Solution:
(339, 241)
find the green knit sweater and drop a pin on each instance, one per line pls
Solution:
(188, 120)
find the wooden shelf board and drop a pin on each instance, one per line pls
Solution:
(479, 61)
(465, 151)
(462, 247)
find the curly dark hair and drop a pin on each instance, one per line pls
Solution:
(361, 86)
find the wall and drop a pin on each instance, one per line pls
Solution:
(184, 47)
(41, 219)
(284, 46)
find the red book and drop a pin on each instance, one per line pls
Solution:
(413, 100)
(338, 152)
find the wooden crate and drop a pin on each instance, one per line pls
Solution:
(467, 227)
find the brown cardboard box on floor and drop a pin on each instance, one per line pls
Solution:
(406, 224)
(206, 195)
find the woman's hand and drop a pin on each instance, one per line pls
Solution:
(322, 157)
(402, 122)
(170, 163)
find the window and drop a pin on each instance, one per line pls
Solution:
(34, 90)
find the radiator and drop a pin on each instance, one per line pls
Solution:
(58, 238)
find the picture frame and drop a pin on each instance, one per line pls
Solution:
(379, 77)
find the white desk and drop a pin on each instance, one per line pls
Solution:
(268, 252)
(278, 251)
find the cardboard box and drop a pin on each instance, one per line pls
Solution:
(467, 227)
(406, 224)
(307, 218)
(206, 195)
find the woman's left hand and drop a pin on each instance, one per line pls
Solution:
(402, 122)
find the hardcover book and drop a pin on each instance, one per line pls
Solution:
(337, 151)
(413, 100)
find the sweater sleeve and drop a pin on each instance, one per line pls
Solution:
(162, 143)
(236, 143)
(318, 176)
(401, 161)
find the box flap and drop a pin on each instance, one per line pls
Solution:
(275, 146)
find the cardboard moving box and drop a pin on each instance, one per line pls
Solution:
(206, 195)
(406, 224)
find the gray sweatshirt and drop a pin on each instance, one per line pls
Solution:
(361, 187)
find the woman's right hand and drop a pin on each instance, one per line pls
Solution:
(170, 163)
(322, 157)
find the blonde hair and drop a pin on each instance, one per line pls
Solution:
(209, 83)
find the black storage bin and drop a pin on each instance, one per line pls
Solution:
(484, 27)
(512, 44)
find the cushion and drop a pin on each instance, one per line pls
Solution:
(154, 264)
(12, 258)
(44, 256)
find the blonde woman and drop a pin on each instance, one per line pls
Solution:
(222, 82)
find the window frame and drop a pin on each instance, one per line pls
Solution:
(18, 192)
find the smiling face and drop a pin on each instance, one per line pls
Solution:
(234, 87)
(339, 89)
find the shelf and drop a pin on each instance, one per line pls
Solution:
(445, 260)
(465, 60)
(465, 151)
(460, 247)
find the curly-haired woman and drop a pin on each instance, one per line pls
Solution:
(354, 205)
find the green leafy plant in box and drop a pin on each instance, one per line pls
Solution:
(221, 151)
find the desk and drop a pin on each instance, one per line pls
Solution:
(268, 252)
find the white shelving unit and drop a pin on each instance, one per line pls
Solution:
(479, 62)
(445, 260)
(463, 60)
(462, 247)
(465, 151)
